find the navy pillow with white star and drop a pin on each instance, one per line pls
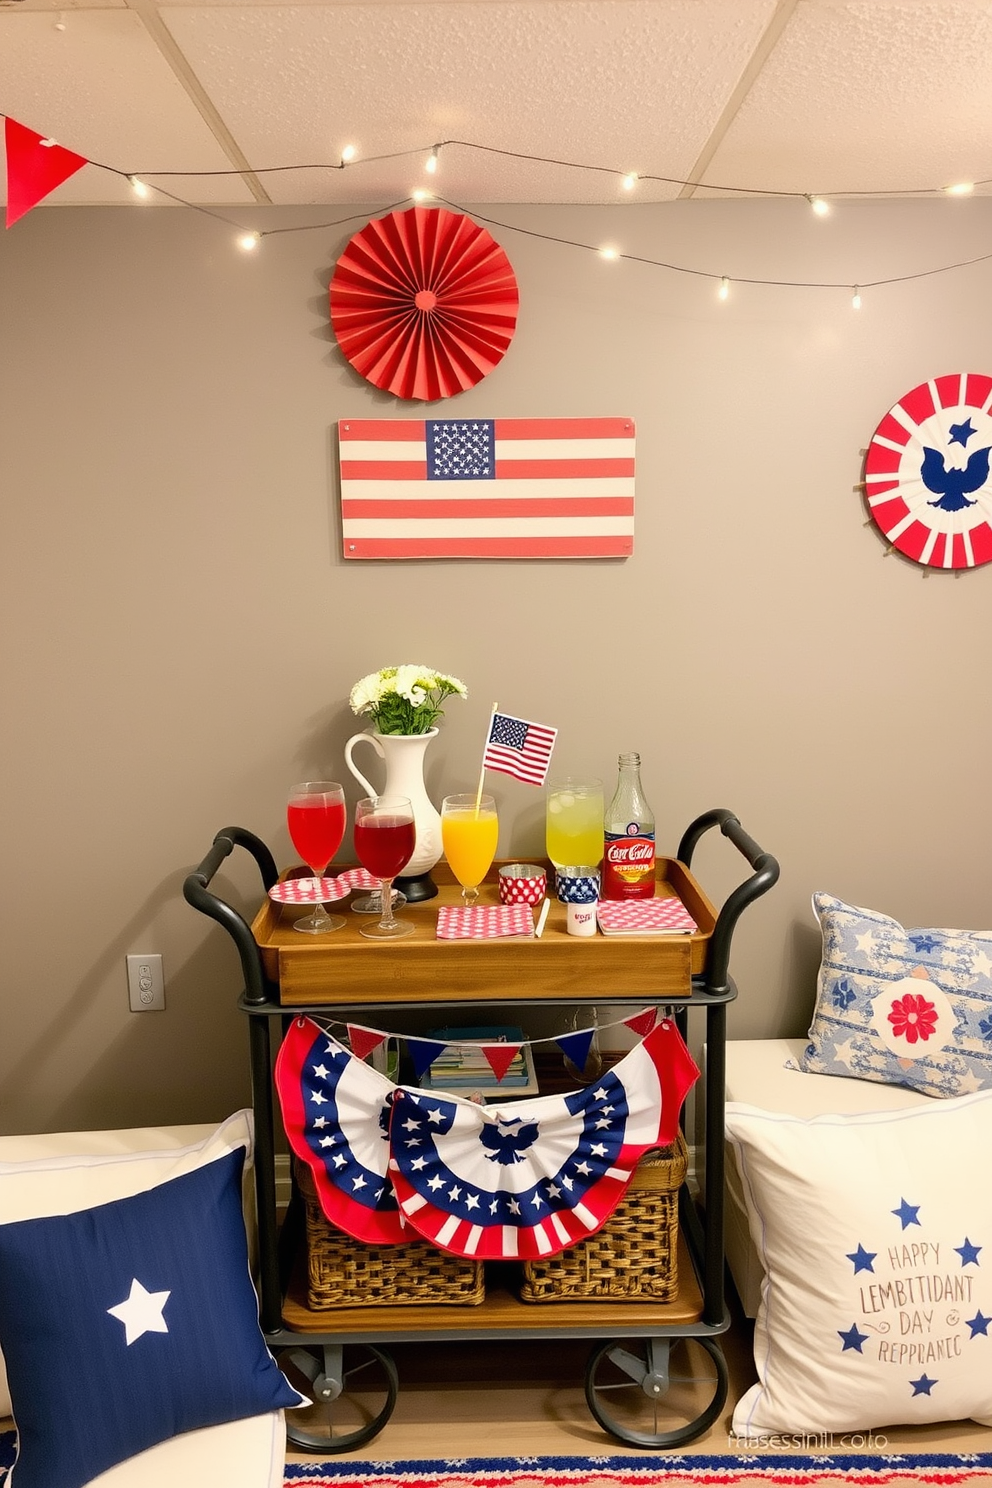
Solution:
(130, 1323)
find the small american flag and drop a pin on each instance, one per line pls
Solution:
(487, 488)
(519, 748)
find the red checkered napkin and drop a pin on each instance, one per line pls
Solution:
(321, 890)
(358, 878)
(307, 891)
(644, 917)
(484, 921)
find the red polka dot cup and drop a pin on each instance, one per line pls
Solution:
(521, 883)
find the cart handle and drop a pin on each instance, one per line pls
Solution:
(766, 872)
(195, 892)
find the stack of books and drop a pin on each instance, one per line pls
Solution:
(464, 1070)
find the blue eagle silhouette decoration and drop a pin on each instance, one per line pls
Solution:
(505, 1144)
(952, 487)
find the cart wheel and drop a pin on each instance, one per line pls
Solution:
(353, 1388)
(656, 1392)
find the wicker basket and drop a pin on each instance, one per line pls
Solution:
(342, 1272)
(634, 1256)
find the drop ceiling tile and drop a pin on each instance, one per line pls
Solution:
(102, 88)
(626, 84)
(869, 96)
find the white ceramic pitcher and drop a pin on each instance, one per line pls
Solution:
(403, 757)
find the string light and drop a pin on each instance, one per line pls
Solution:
(139, 188)
(250, 240)
(431, 165)
(724, 291)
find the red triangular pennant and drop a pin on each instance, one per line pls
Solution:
(364, 1040)
(500, 1057)
(642, 1023)
(35, 166)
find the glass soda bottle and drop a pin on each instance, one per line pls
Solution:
(628, 860)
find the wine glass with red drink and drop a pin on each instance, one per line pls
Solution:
(385, 837)
(316, 819)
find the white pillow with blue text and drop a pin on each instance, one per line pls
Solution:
(875, 1232)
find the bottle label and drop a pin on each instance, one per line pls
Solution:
(628, 864)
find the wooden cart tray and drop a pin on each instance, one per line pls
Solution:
(345, 968)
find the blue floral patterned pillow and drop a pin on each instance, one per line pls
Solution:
(903, 1007)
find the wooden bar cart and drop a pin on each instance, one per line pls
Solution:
(656, 1376)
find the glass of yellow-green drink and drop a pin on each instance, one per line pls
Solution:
(574, 822)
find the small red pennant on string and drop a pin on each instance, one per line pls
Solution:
(500, 1057)
(642, 1023)
(35, 166)
(364, 1040)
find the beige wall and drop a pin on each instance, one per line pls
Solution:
(180, 632)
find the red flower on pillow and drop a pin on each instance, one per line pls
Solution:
(913, 1018)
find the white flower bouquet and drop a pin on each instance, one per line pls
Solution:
(404, 699)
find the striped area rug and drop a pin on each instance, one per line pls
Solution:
(752, 1470)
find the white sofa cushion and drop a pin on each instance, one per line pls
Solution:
(765, 1073)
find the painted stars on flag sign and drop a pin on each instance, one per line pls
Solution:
(461, 449)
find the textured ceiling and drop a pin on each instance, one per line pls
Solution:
(831, 96)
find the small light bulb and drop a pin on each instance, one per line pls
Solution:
(347, 154)
(249, 241)
(609, 253)
(856, 299)
(961, 188)
(139, 188)
(630, 181)
(421, 194)
(724, 290)
(431, 165)
(820, 207)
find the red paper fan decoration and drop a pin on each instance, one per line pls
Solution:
(424, 303)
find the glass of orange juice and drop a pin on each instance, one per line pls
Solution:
(469, 829)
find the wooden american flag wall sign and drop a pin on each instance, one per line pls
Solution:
(487, 488)
(926, 473)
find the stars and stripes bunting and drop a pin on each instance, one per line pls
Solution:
(521, 1178)
(528, 1178)
(487, 488)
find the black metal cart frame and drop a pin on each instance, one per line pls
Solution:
(646, 1371)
